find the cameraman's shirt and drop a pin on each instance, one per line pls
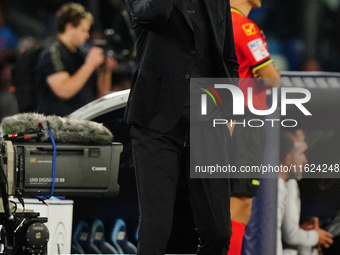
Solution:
(58, 58)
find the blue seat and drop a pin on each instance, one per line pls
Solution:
(97, 240)
(79, 238)
(119, 238)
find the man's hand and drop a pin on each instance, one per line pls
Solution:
(313, 223)
(269, 74)
(104, 83)
(110, 64)
(325, 238)
(95, 57)
(256, 74)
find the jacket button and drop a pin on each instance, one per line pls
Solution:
(193, 52)
(187, 76)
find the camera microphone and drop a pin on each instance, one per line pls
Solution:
(65, 130)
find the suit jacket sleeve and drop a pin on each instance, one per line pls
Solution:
(229, 46)
(148, 12)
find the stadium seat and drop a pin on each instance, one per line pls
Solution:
(119, 238)
(97, 239)
(79, 238)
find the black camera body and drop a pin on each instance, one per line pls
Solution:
(81, 170)
(113, 46)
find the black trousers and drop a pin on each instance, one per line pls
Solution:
(159, 160)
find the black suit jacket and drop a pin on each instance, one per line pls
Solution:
(165, 58)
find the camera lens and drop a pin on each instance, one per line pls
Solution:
(37, 235)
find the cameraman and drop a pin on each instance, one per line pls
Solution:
(67, 77)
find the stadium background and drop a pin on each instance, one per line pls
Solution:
(302, 35)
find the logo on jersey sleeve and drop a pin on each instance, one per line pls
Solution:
(258, 49)
(249, 29)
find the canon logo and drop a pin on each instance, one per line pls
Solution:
(98, 168)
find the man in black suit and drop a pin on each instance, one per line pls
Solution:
(176, 40)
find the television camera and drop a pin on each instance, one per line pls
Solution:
(41, 168)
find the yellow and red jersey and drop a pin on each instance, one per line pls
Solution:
(252, 54)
